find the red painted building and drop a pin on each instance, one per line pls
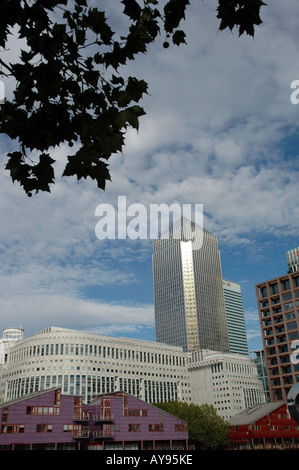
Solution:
(264, 426)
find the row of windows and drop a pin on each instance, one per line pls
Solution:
(279, 319)
(70, 349)
(291, 325)
(12, 428)
(282, 339)
(87, 386)
(132, 412)
(43, 410)
(232, 367)
(20, 428)
(157, 427)
(278, 286)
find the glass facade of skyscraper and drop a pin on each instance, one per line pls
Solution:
(188, 292)
(235, 318)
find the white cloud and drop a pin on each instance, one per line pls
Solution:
(35, 311)
(217, 113)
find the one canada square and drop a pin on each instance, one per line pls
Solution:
(188, 290)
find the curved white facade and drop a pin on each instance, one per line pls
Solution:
(88, 364)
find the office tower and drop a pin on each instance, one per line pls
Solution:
(278, 305)
(188, 292)
(293, 260)
(235, 318)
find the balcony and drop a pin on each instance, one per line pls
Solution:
(103, 417)
(103, 434)
(81, 433)
(81, 416)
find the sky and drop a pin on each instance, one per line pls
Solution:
(220, 130)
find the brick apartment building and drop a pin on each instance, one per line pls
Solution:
(278, 306)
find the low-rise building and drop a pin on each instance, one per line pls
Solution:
(229, 382)
(49, 420)
(44, 420)
(122, 422)
(264, 426)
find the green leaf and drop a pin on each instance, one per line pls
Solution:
(86, 164)
(244, 14)
(97, 22)
(132, 9)
(129, 116)
(62, 95)
(174, 12)
(179, 37)
(31, 177)
(44, 173)
(80, 36)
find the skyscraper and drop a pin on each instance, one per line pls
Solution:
(188, 291)
(235, 318)
(293, 260)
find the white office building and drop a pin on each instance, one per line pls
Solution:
(229, 382)
(293, 260)
(88, 364)
(9, 335)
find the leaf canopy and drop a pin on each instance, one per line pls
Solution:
(68, 85)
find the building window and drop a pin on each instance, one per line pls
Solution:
(288, 306)
(263, 291)
(4, 415)
(155, 427)
(274, 288)
(181, 427)
(285, 284)
(44, 428)
(132, 412)
(57, 397)
(13, 428)
(134, 427)
(292, 325)
(42, 410)
(68, 427)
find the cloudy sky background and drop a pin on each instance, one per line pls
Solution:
(220, 130)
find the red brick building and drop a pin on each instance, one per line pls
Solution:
(278, 306)
(264, 426)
